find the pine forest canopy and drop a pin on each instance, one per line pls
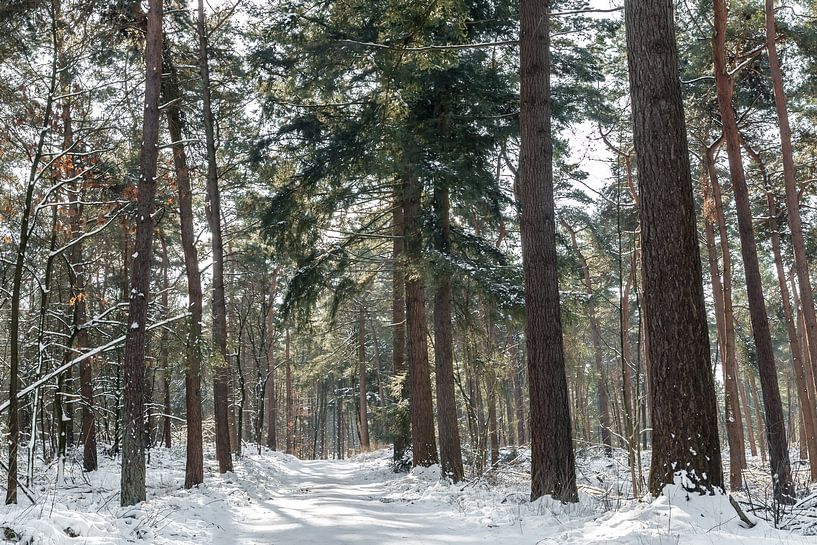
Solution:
(457, 227)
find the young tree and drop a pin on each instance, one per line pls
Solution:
(553, 468)
(684, 410)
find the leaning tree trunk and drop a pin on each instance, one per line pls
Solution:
(424, 446)
(450, 449)
(553, 466)
(792, 195)
(221, 371)
(684, 409)
(805, 383)
(133, 447)
(776, 425)
(194, 467)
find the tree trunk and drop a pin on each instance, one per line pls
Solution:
(805, 384)
(775, 429)
(792, 196)
(424, 447)
(684, 409)
(194, 467)
(269, 385)
(401, 425)
(221, 370)
(133, 448)
(450, 449)
(289, 402)
(725, 320)
(363, 425)
(164, 350)
(553, 467)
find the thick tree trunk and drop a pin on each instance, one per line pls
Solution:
(553, 467)
(775, 429)
(133, 447)
(684, 410)
(424, 446)
(194, 467)
(450, 449)
(221, 369)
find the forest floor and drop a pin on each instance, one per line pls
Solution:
(273, 499)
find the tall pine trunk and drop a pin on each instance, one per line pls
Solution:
(221, 369)
(553, 467)
(194, 465)
(776, 426)
(133, 447)
(683, 409)
(792, 196)
(450, 449)
(424, 446)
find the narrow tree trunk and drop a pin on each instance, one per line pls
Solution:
(269, 385)
(289, 401)
(553, 467)
(684, 410)
(133, 448)
(401, 426)
(801, 261)
(363, 415)
(164, 350)
(194, 467)
(749, 427)
(775, 429)
(805, 384)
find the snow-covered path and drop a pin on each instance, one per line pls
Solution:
(341, 502)
(276, 499)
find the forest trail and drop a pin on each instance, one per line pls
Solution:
(321, 502)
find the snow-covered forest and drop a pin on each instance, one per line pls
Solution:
(408, 271)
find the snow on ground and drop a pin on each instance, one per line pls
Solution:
(275, 499)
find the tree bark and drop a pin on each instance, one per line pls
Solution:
(401, 425)
(450, 449)
(221, 370)
(683, 409)
(553, 467)
(194, 465)
(792, 196)
(424, 446)
(133, 447)
(363, 425)
(805, 384)
(776, 426)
